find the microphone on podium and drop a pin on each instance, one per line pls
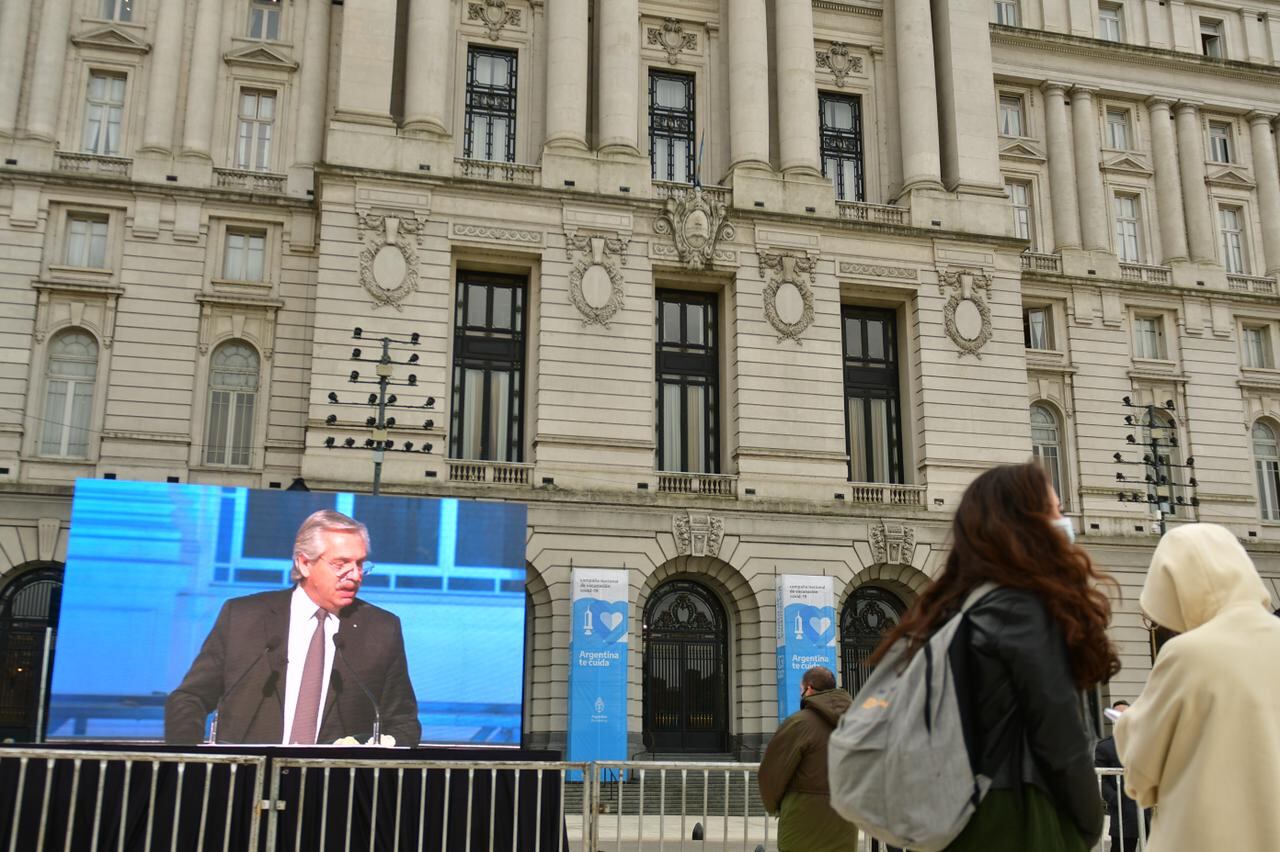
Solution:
(272, 643)
(338, 641)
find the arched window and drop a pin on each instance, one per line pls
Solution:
(233, 395)
(1046, 445)
(1266, 460)
(29, 608)
(68, 394)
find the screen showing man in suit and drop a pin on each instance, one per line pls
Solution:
(197, 614)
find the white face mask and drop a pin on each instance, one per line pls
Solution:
(1065, 527)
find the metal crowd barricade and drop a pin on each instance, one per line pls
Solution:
(116, 800)
(1123, 832)
(425, 805)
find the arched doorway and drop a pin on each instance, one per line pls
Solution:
(686, 678)
(868, 615)
(28, 605)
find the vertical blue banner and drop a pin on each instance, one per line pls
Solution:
(598, 665)
(806, 628)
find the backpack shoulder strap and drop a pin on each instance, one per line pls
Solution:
(978, 594)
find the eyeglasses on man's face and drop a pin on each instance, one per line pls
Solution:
(343, 568)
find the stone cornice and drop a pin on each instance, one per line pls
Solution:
(1151, 289)
(1131, 53)
(847, 8)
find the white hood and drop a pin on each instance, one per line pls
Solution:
(1198, 571)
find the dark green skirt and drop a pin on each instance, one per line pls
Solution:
(1005, 823)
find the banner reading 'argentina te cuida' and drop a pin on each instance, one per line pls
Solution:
(598, 665)
(806, 625)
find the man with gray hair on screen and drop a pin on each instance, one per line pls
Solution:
(306, 665)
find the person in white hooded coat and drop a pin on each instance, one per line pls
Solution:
(1202, 742)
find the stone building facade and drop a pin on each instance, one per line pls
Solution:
(925, 239)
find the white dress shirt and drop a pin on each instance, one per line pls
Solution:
(302, 626)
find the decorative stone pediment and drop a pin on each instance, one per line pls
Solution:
(697, 533)
(494, 16)
(788, 298)
(112, 38)
(672, 38)
(966, 315)
(1127, 164)
(389, 258)
(892, 544)
(238, 316)
(696, 224)
(1022, 150)
(595, 279)
(1231, 178)
(260, 56)
(839, 61)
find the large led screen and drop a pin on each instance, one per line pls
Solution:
(144, 632)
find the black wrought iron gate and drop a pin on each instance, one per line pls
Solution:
(686, 695)
(868, 614)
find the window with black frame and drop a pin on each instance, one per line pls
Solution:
(688, 383)
(489, 131)
(842, 163)
(671, 126)
(873, 417)
(487, 420)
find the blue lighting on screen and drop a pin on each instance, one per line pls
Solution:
(149, 565)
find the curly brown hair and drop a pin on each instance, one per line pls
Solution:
(1002, 533)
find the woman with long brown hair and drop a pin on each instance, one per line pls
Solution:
(1026, 651)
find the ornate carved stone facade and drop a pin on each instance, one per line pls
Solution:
(696, 223)
(672, 38)
(788, 296)
(697, 534)
(494, 15)
(893, 544)
(967, 312)
(595, 280)
(389, 258)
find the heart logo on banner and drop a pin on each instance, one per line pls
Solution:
(820, 625)
(612, 620)
(816, 622)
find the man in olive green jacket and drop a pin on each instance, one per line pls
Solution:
(793, 774)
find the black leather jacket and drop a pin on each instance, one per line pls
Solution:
(1025, 722)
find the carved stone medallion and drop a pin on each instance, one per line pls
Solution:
(788, 298)
(673, 39)
(696, 224)
(966, 315)
(837, 60)
(495, 15)
(595, 281)
(389, 258)
(892, 544)
(697, 534)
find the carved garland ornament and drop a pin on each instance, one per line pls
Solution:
(788, 298)
(697, 534)
(966, 315)
(837, 60)
(696, 225)
(595, 281)
(673, 39)
(495, 15)
(893, 544)
(389, 258)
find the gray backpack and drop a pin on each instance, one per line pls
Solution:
(897, 762)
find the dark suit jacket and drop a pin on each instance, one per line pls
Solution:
(253, 709)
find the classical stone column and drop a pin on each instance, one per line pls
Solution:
(567, 63)
(46, 76)
(202, 82)
(1195, 196)
(619, 64)
(15, 19)
(748, 83)
(1265, 167)
(1093, 207)
(797, 87)
(1164, 151)
(428, 66)
(162, 91)
(1062, 170)
(917, 94)
(313, 87)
